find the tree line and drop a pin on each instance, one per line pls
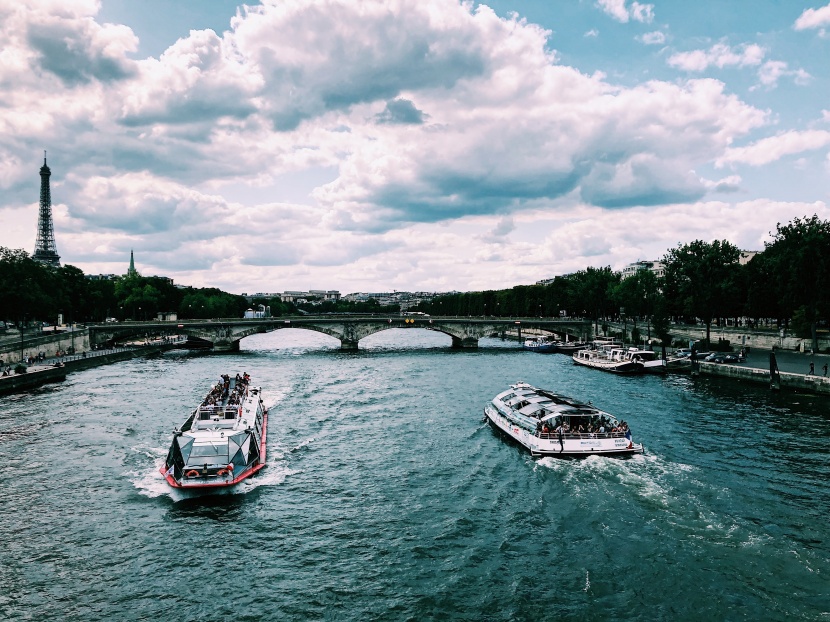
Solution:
(788, 283)
(33, 292)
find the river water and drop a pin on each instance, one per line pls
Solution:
(387, 497)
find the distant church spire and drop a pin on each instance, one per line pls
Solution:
(132, 271)
(45, 249)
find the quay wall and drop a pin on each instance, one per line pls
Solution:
(765, 340)
(49, 345)
(43, 375)
(790, 381)
(21, 382)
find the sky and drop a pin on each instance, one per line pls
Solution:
(416, 146)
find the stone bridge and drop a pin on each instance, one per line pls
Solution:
(225, 334)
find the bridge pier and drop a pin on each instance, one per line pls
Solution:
(348, 345)
(226, 346)
(465, 342)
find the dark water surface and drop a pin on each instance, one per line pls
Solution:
(386, 496)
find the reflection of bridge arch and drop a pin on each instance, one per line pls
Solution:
(225, 335)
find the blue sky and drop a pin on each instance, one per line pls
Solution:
(413, 146)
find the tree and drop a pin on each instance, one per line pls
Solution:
(593, 287)
(799, 262)
(700, 275)
(26, 287)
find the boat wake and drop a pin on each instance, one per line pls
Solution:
(150, 483)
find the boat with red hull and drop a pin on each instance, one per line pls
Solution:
(223, 440)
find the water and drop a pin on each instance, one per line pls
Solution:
(387, 497)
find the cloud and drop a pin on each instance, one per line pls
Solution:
(591, 33)
(400, 111)
(729, 184)
(65, 42)
(719, 55)
(813, 18)
(652, 38)
(771, 71)
(774, 148)
(636, 11)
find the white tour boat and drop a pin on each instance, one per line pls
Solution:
(550, 424)
(223, 440)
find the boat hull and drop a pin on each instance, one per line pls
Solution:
(212, 482)
(572, 444)
(547, 348)
(629, 368)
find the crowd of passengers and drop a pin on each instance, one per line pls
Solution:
(223, 394)
(600, 426)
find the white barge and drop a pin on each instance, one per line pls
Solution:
(223, 440)
(550, 424)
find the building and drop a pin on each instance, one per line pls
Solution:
(657, 267)
(102, 277)
(746, 257)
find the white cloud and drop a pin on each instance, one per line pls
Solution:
(813, 18)
(774, 148)
(636, 11)
(719, 55)
(732, 183)
(592, 33)
(653, 38)
(771, 71)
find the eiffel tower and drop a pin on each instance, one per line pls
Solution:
(45, 249)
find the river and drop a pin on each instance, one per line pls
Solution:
(387, 497)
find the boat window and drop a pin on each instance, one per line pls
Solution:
(209, 450)
(204, 416)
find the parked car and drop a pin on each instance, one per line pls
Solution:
(716, 357)
(682, 353)
(734, 357)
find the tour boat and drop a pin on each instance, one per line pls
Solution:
(539, 344)
(550, 424)
(609, 357)
(223, 440)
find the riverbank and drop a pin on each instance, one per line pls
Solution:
(56, 369)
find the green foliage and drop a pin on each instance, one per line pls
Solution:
(26, 287)
(699, 277)
(20, 368)
(802, 322)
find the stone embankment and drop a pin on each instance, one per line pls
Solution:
(788, 380)
(41, 374)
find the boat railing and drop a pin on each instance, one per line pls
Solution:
(223, 412)
(582, 435)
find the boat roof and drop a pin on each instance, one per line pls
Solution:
(529, 401)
